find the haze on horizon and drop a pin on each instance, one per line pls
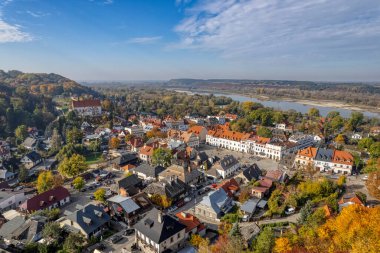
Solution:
(316, 40)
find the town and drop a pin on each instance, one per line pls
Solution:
(240, 177)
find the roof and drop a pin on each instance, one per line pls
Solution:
(127, 203)
(230, 135)
(308, 152)
(89, 218)
(9, 227)
(33, 156)
(5, 173)
(274, 175)
(158, 231)
(185, 174)
(186, 136)
(29, 142)
(229, 186)
(131, 180)
(324, 154)
(125, 159)
(350, 198)
(216, 200)
(250, 205)
(227, 162)
(196, 129)
(128, 167)
(86, 103)
(343, 157)
(189, 220)
(252, 172)
(147, 150)
(260, 189)
(171, 188)
(45, 199)
(149, 171)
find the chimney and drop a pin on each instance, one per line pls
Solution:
(159, 218)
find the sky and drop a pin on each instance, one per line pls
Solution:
(318, 40)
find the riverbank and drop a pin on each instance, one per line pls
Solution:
(291, 103)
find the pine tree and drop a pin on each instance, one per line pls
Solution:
(235, 231)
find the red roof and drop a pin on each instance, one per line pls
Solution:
(190, 221)
(86, 103)
(266, 182)
(229, 186)
(45, 199)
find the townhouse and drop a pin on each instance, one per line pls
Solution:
(223, 138)
(88, 107)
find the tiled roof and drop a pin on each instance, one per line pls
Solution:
(230, 135)
(229, 186)
(189, 220)
(350, 197)
(308, 152)
(343, 157)
(195, 129)
(146, 150)
(45, 199)
(86, 103)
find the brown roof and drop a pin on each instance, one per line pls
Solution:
(196, 129)
(308, 152)
(229, 186)
(189, 220)
(45, 199)
(343, 157)
(146, 150)
(227, 134)
(86, 103)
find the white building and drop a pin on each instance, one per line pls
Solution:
(228, 139)
(135, 130)
(227, 166)
(88, 107)
(11, 200)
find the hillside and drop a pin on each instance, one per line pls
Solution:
(41, 83)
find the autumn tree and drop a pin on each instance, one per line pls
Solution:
(282, 245)
(161, 200)
(264, 132)
(78, 183)
(373, 183)
(245, 194)
(340, 139)
(45, 181)
(162, 157)
(313, 112)
(21, 133)
(100, 195)
(72, 166)
(114, 143)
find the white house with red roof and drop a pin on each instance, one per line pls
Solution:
(87, 107)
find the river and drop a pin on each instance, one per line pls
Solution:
(289, 105)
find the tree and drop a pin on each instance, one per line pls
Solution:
(341, 181)
(264, 132)
(68, 150)
(340, 139)
(355, 121)
(114, 143)
(94, 146)
(74, 136)
(56, 141)
(45, 181)
(305, 212)
(282, 245)
(374, 150)
(72, 166)
(373, 183)
(162, 156)
(197, 240)
(235, 231)
(278, 117)
(78, 183)
(52, 232)
(100, 195)
(264, 242)
(73, 243)
(23, 174)
(161, 200)
(365, 143)
(372, 165)
(21, 133)
(313, 112)
(244, 194)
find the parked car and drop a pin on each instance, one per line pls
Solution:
(365, 178)
(116, 238)
(290, 210)
(129, 231)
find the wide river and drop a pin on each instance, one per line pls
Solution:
(288, 105)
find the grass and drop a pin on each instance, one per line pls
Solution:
(94, 158)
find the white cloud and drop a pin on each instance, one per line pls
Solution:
(144, 40)
(108, 2)
(249, 28)
(37, 14)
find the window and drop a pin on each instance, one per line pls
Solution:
(171, 239)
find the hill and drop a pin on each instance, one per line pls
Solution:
(42, 83)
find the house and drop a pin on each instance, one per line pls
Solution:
(31, 159)
(230, 186)
(374, 130)
(323, 159)
(10, 199)
(305, 157)
(134, 130)
(184, 172)
(146, 154)
(89, 220)
(87, 107)
(192, 223)
(248, 208)
(252, 172)
(5, 151)
(263, 188)
(22, 231)
(200, 131)
(146, 171)
(129, 185)
(172, 188)
(227, 166)
(278, 176)
(124, 208)
(158, 232)
(135, 143)
(214, 205)
(223, 138)
(50, 199)
(191, 139)
(124, 159)
(349, 199)
(6, 175)
(30, 143)
(356, 136)
(343, 162)
(127, 168)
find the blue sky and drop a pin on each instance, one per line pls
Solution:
(328, 40)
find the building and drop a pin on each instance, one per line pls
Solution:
(191, 139)
(230, 186)
(172, 188)
(305, 157)
(252, 172)
(6, 175)
(147, 172)
(87, 107)
(213, 206)
(227, 166)
(248, 208)
(124, 209)
(30, 143)
(134, 130)
(124, 159)
(129, 185)
(89, 220)
(11, 199)
(185, 173)
(158, 232)
(200, 131)
(31, 159)
(50, 199)
(349, 199)
(192, 223)
(146, 154)
(224, 138)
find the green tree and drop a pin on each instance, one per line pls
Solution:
(74, 136)
(52, 232)
(305, 212)
(23, 174)
(374, 150)
(162, 156)
(355, 121)
(45, 181)
(100, 195)
(365, 143)
(94, 146)
(21, 133)
(313, 112)
(78, 183)
(74, 243)
(264, 242)
(235, 231)
(72, 166)
(278, 117)
(264, 132)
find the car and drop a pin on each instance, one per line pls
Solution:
(290, 210)
(116, 238)
(187, 199)
(365, 178)
(129, 231)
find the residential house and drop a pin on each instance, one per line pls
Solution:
(192, 223)
(185, 173)
(10, 199)
(223, 138)
(172, 188)
(227, 166)
(135, 130)
(90, 220)
(135, 143)
(349, 199)
(147, 172)
(263, 187)
(30, 143)
(214, 205)
(356, 136)
(230, 186)
(50, 199)
(252, 172)
(146, 154)
(323, 159)
(278, 176)
(200, 131)
(248, 208)
(191, 139)
(124, 209)
(87, 107)
(124, 159)
(305, 157)
(31, 159)
(6, 175)
(129, 185)
(158, 232)
(343, 162)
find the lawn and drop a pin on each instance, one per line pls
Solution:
(94, 158)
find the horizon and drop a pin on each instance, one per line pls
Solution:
(114, 40)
